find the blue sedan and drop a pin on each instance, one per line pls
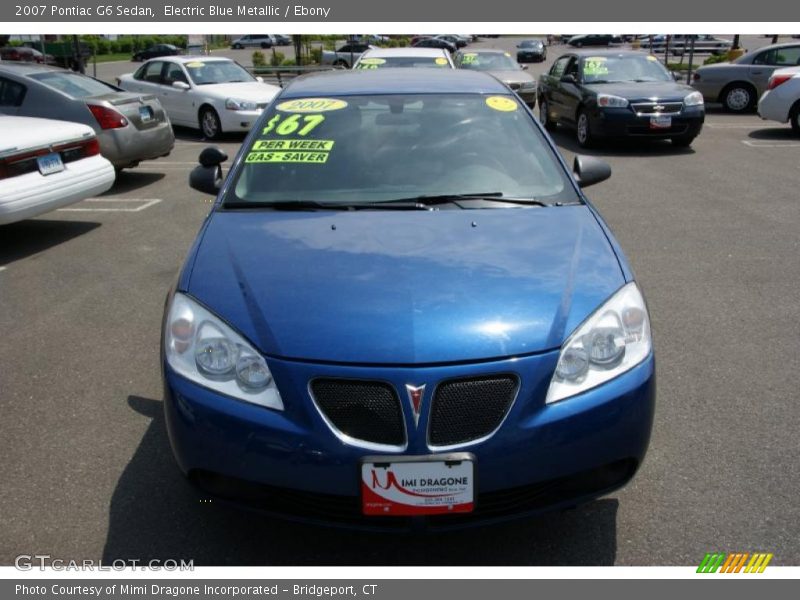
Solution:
(402, 309)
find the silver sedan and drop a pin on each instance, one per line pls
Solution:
(130, 127)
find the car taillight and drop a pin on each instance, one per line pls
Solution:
(696, 76)
(108, 118)
(91, 148)
(776, 80)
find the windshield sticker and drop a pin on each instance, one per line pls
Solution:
(501, 103)
(441, 61)
(196, 65)
(652, 58)
(306, 105)
(507, 54)
(371, 63)
(301, 124)
(320, 145)
(287, 157)
(595, 65)
(470, 58)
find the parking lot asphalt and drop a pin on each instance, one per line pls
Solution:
(712, 235)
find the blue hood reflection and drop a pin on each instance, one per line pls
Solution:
(405, 287)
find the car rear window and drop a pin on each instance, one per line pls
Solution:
(73, 84)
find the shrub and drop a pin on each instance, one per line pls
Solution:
(258, 59)
(316, 55)
(714, 59)
(277, 58)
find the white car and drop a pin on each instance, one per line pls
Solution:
(381, 58)
(257, 40)
(781, 101)
(47, 164)
(213, 94)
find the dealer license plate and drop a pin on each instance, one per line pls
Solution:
(660, 122)
(418, 485)
(50, 163)
(146, 113)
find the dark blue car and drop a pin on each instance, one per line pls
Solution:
(402, 306)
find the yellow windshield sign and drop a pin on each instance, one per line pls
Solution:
(307, 105)
(501, 103)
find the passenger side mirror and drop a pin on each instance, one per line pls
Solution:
(260, 79)
(524, 67)
(568, 78)
(180, 85)
(589, 170)
(207, 176)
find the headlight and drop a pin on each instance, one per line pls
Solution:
(202, 348)
(527, 85)
(693, 99)
(613, 340)
(607, 100)
(234, 104)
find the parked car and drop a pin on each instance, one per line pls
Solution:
(214, 94)
(383, 58)
(155, 52)
(579, 41)
(282, 40)
(681, 43)
(738, 84)
(338, 350)
(616, 94)
(456, 40)
(531, 51)
(130, 127)
(47, 164)
(254, 41)
(346, 55)
(17, 53)
(435, 42)
(781, 101)
(499, 64)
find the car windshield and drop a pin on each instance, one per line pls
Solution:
(488, 61)
(614, 69)
(378, 148)
(530, 44)
(390, 62)
(217, 71)
(73, 84)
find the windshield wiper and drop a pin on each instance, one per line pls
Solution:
(314, 205)
(457, 198)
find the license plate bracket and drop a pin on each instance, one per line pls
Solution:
(50, 163)
(418, 485)
(660, 122)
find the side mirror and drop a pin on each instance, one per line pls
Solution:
(589, 170)
(260, 79)
(181, 85)
(207, 176)
(524, 67)
(569, 78)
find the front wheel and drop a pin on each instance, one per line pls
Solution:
(584, 131)
(210, 124)
(739, 98)
(544, 115)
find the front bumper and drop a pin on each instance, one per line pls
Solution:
(128, 146)
(623, 122)
(238, 120)
(523, 57)
(246, 452)
(527, 95)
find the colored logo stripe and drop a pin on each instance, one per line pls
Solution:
(734, 562)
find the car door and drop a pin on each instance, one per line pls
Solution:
(177, 102)
(571, 93)
(552, 89)
(777, 58)
(147, 79)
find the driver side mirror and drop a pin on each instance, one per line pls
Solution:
(260, 79)
(568, 78)
(589, 170)
(207, 176)
(181, 85)
(524, 67)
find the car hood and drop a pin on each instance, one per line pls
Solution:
(252, 91)
(650, 90)
(513, 76)
(410, 287)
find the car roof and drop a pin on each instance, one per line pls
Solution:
(393, 81)
(191, 58)
(27, 68)
(485, 51)
(621, 53)
(409, 51)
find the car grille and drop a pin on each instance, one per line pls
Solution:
(364, 410)
(464, 410)
(662, 108)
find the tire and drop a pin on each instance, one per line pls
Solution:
(583, 130)
(265, 45)
(238, 47)
(739, 98)
(794, 118)
(210, 124)
(340, 63)
(544, 117)
(683, 141)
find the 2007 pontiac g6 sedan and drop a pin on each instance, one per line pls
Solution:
(402, 310)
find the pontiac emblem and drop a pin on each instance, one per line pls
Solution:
(415, 394)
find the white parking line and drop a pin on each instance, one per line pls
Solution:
(146, 203)
(731, 125)
(771, 144)
(2, 268)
